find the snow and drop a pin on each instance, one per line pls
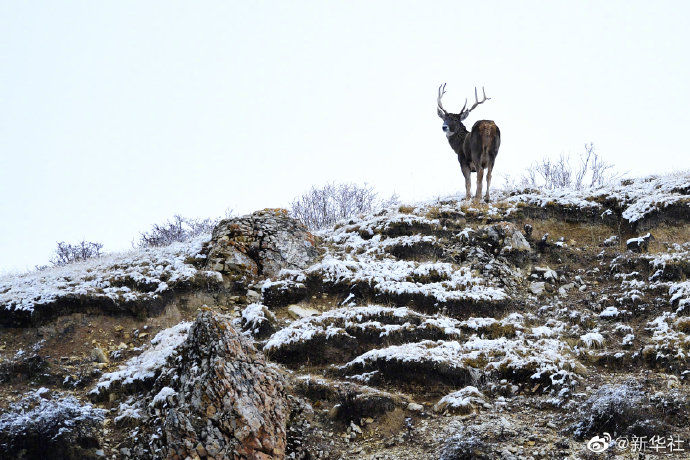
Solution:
(408, 277)
(462, 400)
(162, 396)
(541, 358)
(254, 316)
(592, 340)
(609, 312)
(148, 364)
(636, 197)
(354, 320)
(36, 412)
(141, 274)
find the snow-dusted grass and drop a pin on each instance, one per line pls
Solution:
(442, 282)
(57, 416)
(592, 340)
(636, 197)
(148, 364)
(372, 323)
(520, 358)
(142, 274)
(668, 343)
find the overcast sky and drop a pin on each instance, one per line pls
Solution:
(116, 115)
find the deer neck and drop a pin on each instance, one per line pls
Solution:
(457, 139)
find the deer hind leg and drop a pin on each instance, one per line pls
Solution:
(488, 182)
(480, 179)
(467, 173)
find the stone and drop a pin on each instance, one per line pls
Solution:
(414, 407)
(298, 312)
(261, 243)
(537, 287)
(98, 355)
(220, 380)
(253, 296)
(640, 244)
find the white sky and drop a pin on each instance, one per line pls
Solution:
(116, 115)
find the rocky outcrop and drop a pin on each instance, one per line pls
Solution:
(261, 243)
(214, 396)
(58, 427)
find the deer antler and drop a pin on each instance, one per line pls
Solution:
(464, 113)
(441, 92)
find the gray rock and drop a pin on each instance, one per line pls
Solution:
(537, 287)
(640, 244)
(261, 243)
(229, 402)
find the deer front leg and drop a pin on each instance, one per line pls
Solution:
(468, 181)
(480, 179)
(488, 182)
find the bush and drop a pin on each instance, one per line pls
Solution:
(589, 172)
(176, 230)
(66, 253)
(322, 207)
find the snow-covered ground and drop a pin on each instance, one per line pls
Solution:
(139, 274)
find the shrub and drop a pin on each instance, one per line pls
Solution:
(590, 171)
(66, 253)
(322, 207)
(175, 230)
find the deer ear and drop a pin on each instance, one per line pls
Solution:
(463, 115)
(440, 113)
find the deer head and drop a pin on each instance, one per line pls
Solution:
(452, 122)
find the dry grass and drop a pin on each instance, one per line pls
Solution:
(582, 234)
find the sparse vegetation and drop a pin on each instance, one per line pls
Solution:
(322, 207)
(66, 253)
(588, 171)
(175, 230)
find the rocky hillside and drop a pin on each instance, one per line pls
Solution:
(535, 326)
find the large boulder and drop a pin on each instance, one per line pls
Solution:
(262, 243)
(213, 396)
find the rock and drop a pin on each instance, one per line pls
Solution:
(228, 399)
(98, 355)
(352, 401)
(640, 244)
(258, 320)
(463, 401)
(261, 243)
(537, 287)
(58, 427)
(253, 296)
(414, 407)
(299, 312)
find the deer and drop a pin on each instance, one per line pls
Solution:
(477, 149)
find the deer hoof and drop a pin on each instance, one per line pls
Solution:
(487, 199)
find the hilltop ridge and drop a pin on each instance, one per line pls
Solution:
(442, 329)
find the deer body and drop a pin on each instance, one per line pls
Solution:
(476, 149)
